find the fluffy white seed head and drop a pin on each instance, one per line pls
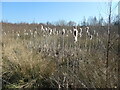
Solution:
(63, 31)
(18, 34)
(75, 33)
(91, 37)
(50, 31)
(87, 28)
(4, 33)
(42, 28)
(80, 32)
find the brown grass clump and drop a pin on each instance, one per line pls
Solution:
(21, 65)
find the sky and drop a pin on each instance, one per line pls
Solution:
(41, 12)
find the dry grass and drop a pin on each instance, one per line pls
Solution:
(53, 61)
(19, 63)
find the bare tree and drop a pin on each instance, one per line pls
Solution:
(61, 23)
(84, 23)
(108, 44)
(119, 44)
(48, 23)
(92, 21)
(101, 21)
(71, 23)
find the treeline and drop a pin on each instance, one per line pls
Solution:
(91, 21)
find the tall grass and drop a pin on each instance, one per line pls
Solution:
(55, 61)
